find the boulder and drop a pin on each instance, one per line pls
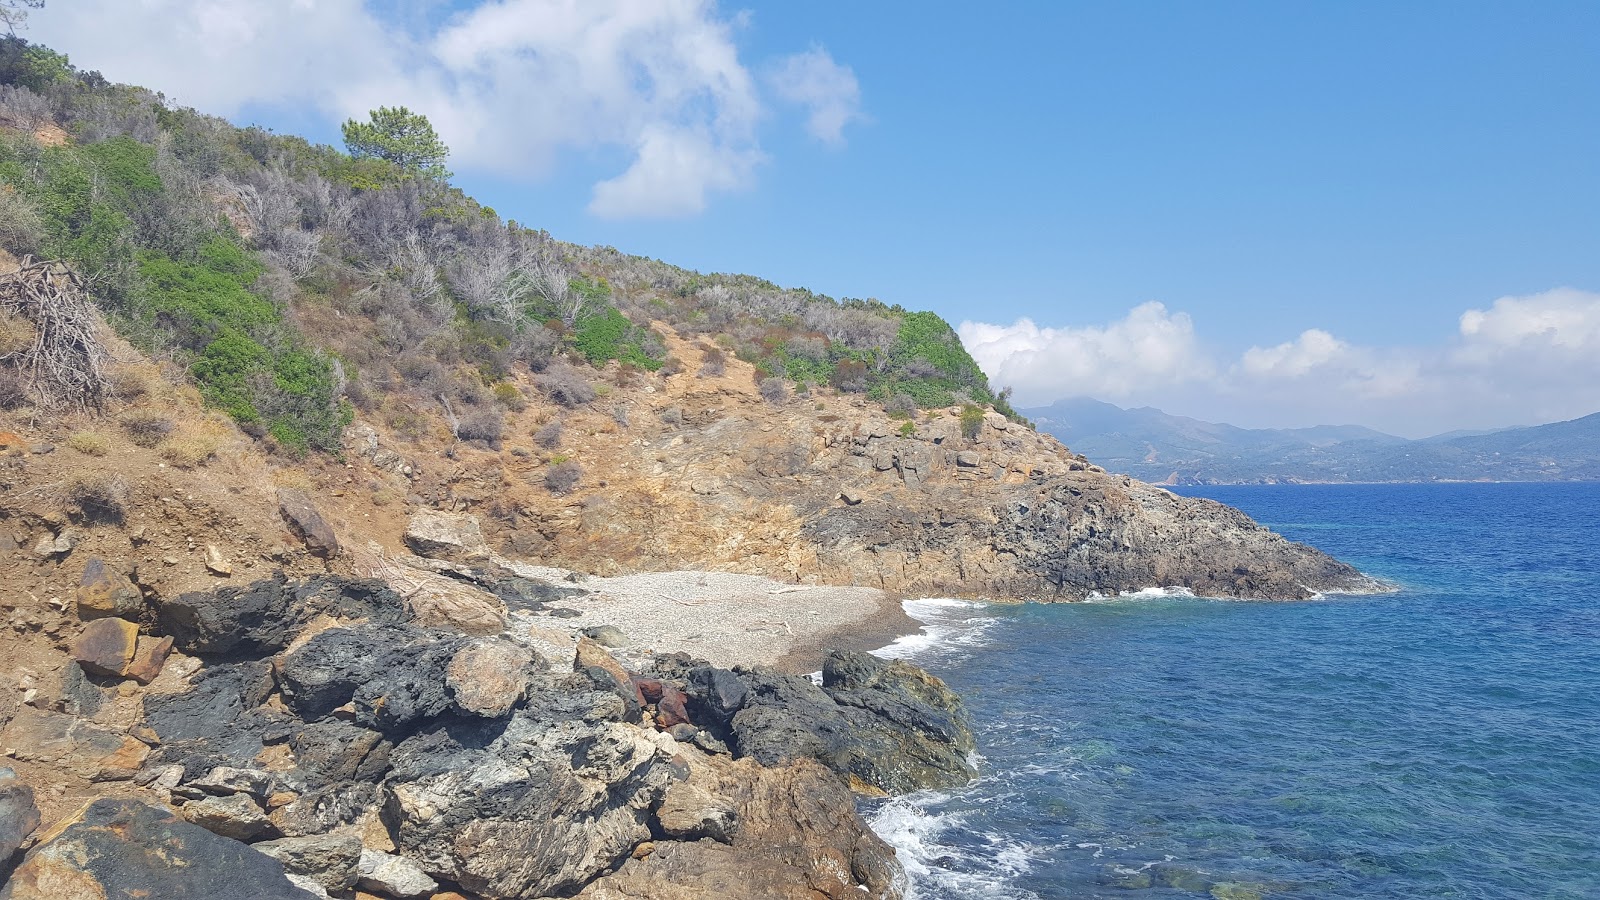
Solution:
(688, 812)
(107, 647)
(122, 848)
(328, 860)
(969, 459)
(18, 814)
(307, 522)
(103, 591)
(225, 780)
(798, 837)
(591, 658)
(490, 677)
(394, 674)
(260, 618)
(538, 809)
(234, 816)
(609, 636)
(443, 535)
(393, 876)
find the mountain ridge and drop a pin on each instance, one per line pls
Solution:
(1150, 444)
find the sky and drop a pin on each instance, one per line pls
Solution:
(1265, 213)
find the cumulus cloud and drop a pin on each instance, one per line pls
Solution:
(829, 92)
(1523, 360)
(1150, 347)
(511, 85)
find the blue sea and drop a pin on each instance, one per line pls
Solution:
(1440, 741)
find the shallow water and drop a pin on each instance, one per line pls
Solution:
(1443, 741)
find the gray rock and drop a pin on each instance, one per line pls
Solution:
(261, 618)
(306, 521)
(689, 813)
(444, 535)
(329, 860)
(224, 780)
(55, 545)
(18, 814)
(121, 848)
(969, 459)
(234, 816)
(606, 636)
(393, 876)
(394, 674)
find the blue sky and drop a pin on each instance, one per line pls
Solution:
(1315, 194)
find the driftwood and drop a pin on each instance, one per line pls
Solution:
(64, 366)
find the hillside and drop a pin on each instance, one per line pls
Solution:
(1150, 444)
(321, 487)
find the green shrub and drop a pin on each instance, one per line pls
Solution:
(971, 421)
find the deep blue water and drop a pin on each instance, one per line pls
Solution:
(1442, 741)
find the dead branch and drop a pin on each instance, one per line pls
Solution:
(64, 365)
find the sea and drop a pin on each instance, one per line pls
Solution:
(1439, 741)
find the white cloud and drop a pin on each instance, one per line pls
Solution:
(828, 90)
(511, 85)
(1524, 360)
(1562, 320)
(1148, 348)
(1311, 349)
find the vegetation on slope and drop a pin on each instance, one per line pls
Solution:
(295, 283)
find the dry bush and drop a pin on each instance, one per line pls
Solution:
(486, 424)
(187, 451)
(97, 496)
(774, 390)
(90, 443)
(715, 362)
(566, 388)
(16, 333)
(13, 389)
(672, 416)
(129, 384)
(563, 477)
(549, 435)
(145, 427)
(64, 366)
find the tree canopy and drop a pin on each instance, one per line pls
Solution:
(399, 136)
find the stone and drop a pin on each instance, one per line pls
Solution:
(328, 860)
(124, 763)
(683, 732)
(608, 636)
(216, 563)
(234, 816)
(107, 647)
(796, 836)
(306, 521)
(38, 735)
(123, 848)
(969, 459)
(260, 618)
(393, 876)
(225, 780)
(689, 813)
(672, 708)
(718, 692)
(443, 535)
(591, 657)
(851, 497)
(104, 592)
(18, 814)
(149, 658)
(490, 677)
(551, 800)
(55, 545)
(393, 674)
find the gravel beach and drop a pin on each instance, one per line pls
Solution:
(724, 618)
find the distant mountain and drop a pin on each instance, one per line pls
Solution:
(1154, 446)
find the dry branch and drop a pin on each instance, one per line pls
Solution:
(64, 365)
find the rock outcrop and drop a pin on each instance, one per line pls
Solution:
(122, 848)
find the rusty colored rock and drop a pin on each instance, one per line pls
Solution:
(105, 592)
(107, 647)
(149, 656)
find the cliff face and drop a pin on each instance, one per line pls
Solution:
(829, 489)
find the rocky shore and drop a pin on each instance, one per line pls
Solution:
(328, 737)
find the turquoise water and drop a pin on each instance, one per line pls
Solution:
(1442, 741)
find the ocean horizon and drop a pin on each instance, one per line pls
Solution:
(1439, 741)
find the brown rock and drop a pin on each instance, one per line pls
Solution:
(124, 763)
(67, 741)
(105, 592)
(149, 656)
(306, 521)
(592, 655)
(444, 535)
(672, 709)
(216, 563)
(234, 816)
(489, 677)
(107, 646)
